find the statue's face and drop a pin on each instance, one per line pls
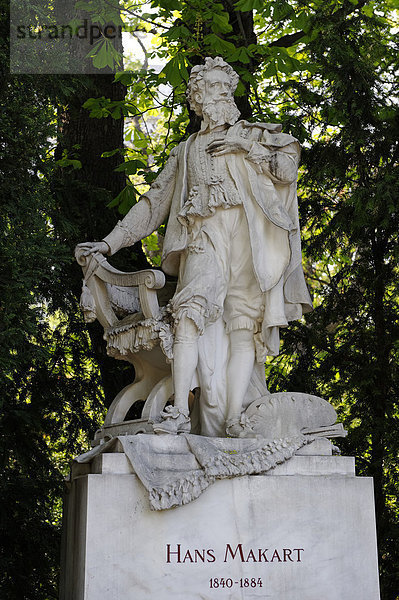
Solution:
(215, 96)
(217, 86)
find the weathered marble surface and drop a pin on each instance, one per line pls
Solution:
(315, 509)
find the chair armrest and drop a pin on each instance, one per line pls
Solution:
(98, 272)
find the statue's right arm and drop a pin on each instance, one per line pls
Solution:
(144, 217)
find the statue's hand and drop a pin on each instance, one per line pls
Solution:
(87, 248)
(228, 146)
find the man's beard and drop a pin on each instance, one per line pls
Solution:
(220, 112)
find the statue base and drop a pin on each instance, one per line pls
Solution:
(305, 531)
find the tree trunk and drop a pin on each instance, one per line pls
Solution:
(83, 196)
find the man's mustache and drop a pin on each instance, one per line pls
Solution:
(221, 101)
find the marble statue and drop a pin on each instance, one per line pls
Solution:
(233, 241)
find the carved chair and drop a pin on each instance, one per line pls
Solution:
(137, 329)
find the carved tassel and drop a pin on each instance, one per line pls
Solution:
(87, 304)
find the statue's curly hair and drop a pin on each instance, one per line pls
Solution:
(195, 82)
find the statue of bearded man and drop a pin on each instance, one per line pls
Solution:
(233, 240)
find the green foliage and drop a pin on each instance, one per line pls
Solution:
(66, 161)
(101, 11)
(125, 199)
(347, 350)
(48, 382)
(175, 71)
(104, 54)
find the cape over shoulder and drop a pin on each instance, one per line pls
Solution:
(270, 132)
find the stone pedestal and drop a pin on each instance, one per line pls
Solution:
(306, 531)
